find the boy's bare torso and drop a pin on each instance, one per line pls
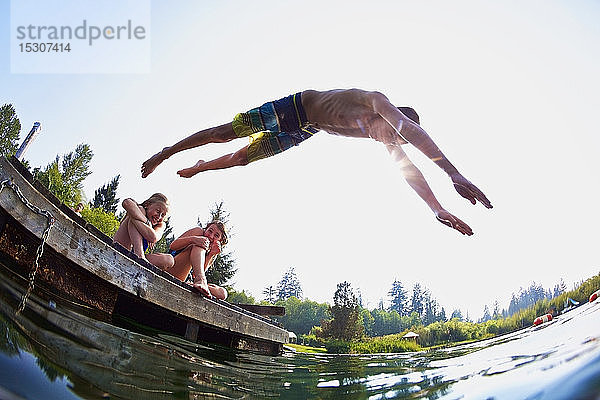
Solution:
(346, 112)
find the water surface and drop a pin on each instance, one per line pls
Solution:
(52, 352)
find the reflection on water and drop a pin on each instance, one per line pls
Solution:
(50, 352)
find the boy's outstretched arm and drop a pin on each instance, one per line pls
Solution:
(417, 181)
(415, 135)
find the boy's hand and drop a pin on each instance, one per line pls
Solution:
(469, 191)
(450, 220)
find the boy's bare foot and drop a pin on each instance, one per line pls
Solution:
(150, 164)
(191, 171)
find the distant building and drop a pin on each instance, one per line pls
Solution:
(411, 336)
(293, 337)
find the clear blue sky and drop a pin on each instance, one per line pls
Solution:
(508, 90)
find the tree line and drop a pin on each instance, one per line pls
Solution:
(523, 299)
(346, 320)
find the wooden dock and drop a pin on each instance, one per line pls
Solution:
(82, 266)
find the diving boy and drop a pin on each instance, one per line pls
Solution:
(279, 125)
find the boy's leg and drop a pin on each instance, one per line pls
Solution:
(238, 158)
(219, 134)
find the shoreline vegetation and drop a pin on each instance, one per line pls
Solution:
(450, 333)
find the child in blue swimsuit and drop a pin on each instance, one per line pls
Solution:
(143, 226)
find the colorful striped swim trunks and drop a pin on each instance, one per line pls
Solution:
(274, 127)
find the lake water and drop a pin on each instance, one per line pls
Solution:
(49, 352)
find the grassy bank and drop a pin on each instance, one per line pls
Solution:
(454, 331)
(306, 349)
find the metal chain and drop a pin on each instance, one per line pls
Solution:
(40, 249)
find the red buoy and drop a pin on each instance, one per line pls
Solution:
(542, 319)
(595, 295)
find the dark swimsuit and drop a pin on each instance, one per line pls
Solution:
(274, 127)
(175, 252)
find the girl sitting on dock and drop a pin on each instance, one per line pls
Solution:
(195, 250)
(143, 226)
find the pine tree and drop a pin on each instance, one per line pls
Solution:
(289, 286)
(269, 293)
(106, 198)
(416, 301)
(457, 314)
(345, 311)
(223, 268)
(486, 314)
(497, 313)
(398, 298)
(10, 127)
(164, 243)
(442, 315)
(430, 308)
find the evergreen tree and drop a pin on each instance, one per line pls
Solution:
(430, 306)
(269, 293)
(106, 198)
(486, 314)
(416, 301)
(442, 315)
(497, 313)
(559, 288)
(398, 298)
(164, 243)
(223, 267)
(10, 127)
(457, 314)
(346, 323)
(562, 286)
(359, 297)
(289, 286)
(528, 297)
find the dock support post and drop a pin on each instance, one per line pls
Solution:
(191, 331)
